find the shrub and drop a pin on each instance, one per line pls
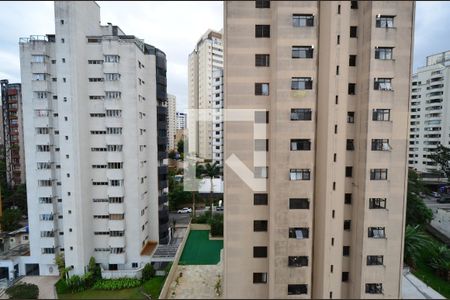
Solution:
(23, 291)
(117, 284)
(202, 219)
(94, 268)
(76, 284)
(148, 272)
(62, 287)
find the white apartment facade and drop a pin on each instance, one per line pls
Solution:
(217, 122)
(90, 107)
(172, 120)
(181, 120)
(206, 57)
(430, 111)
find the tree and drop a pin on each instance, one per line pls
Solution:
(18, 198)
(180, 146)
(210, 171)
(417, 213)
(147, 272)
(10, 219)
(416, 242)
(441, 156)
(94, 268)
(172, 154)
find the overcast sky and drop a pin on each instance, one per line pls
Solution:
(175, 27)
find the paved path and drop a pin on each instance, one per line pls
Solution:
(414, 288)
(45, 283)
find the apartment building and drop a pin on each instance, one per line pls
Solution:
(430, 111)
(171, 120)
(181, 120)
(12, 133)
(217, 118)
(95, 143)
(326, 109)
(206, 57)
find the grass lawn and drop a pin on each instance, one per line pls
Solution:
(427, 275)
(152, 287)
(199, 250)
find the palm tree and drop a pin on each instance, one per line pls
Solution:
(210, 171)
(416, 242)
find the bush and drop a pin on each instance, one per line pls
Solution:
(76, 284)
(94, 268)
(148, 272)
(23, 291)
(117, 284)
(202, 219)
(62, 287)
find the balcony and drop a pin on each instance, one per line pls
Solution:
(116, 225)
(162, 199)
(117, 241)
(162, 184)
(163, 170)
(162, 140)
(117, 258)
(162, 155)
(116, 208)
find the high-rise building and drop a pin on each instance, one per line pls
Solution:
(206, 57)
(181, 120)
(217, 118)
(322, 89)
(171, 120)
(12, 133)
(430, 111)
(94, 125)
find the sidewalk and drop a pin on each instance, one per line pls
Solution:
(414, 288)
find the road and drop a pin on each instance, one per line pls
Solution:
(432, 203)
(185, 218)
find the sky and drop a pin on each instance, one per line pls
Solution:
(175, 27)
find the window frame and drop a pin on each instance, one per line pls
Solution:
(302, 20)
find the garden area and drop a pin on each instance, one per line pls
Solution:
(92, 286)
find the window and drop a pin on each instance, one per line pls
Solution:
(43, 165)
(297, 289)
(351, 117)
(116, 233)
(42, 130)
(259, 225)
(299, 174)
(338, 39)
(112, 76)
(374, 260)
(339, 9)
(382, 84)
(97, 115)
(262, 31)
(261, 117)
(352, 60)
(300, 144)
(348, 171)
(352, 88)
(261, 172)
(261, 145)
(301, 20)
(384, 21)
(298, 203)
(350, 145)
(345, 276)
(116, 182)
(301, 83)
(115, 113)
(262, 60)
(113, 95)
(259, 277)
(114, 148)
(354, 4)
(260, 199)
(346, 251)
(376, 232)
(261, 89)
(114, 130)
(337, 70)
(259, 252)
(353, 31)
(116, 216)
(347, 224)
(115, 165)
(300, 114)
(47, 250)
(46, 217)
(262, 4)
(378, 174)
(39, 76)
(115, 199)
(383, 53)
(38, 58)
(297, 261)
(95, 62)
(112, 58)
(348, 198)
(96, 79)
(374, 288)
(381, 114)
(302, 52)
(377, 203)
(298, 233)
(380, 145)
(117, 250)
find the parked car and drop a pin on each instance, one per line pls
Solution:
(184, 210)
(435, 195)
(219, 208)
(444, 199)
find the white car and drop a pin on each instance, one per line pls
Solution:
(435, 195)
(184, 210)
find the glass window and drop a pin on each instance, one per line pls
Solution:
(377, 203)
(261, 172)
(383, 84)
(298, 203)
(302, 52)
(301, 83)
(259, 277)
(384, 21)
(376, 232)
(378, 174)
(298, 233)
(298, 261)
(300, 144)
(380, 145)
(259, 225)
(262, 89)
(299, 174)
(260, 199)
(262, 31)
(262, 60)
(374, 288)
(381, 114)
(384, 53)
(301, 114)
(302, 20)
(297, 289)
(262, 4)
(374, 260)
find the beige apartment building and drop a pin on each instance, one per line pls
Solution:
(330, 81)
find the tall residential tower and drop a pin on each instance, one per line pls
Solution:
(321, 90)
(95, 143)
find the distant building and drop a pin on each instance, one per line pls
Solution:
(171, 120)
(217, 118)
(430, 111)
(206, 57)
(12, 133)
(181, 120)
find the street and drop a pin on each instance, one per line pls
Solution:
(432, 203)
(185, 218)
